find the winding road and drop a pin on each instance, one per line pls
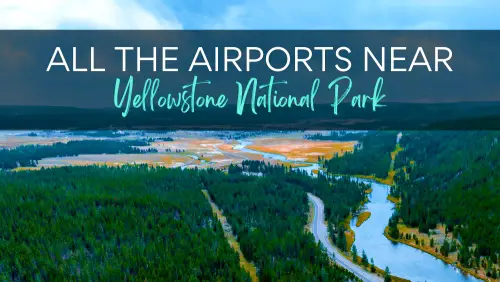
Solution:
(319, 230)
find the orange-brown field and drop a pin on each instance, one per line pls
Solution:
(300, 149)
(349, 233)
(364, 216)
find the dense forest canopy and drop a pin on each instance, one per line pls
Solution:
(138, 222)
(111, 224)
(452, 177)
(340, 195)
(29, 155)
(372, 156)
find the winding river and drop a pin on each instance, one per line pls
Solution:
(309, 168)
(402, 260)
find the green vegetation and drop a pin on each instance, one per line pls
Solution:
(372, 266)
(29, 155)
(143, 223)
(371, 157)
(337, 136)
(354, 253)
(256, 166)
(387, 274)
(452, 178)
(111, 224)
(393, 227)
(268, 217)
(159, 139)
(100, 133)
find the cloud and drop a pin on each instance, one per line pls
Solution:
(232, 19)
(88, 14)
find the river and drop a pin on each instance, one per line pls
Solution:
(403, 261)
(270, 156)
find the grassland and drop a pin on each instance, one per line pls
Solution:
(362, 217)
(301, 150)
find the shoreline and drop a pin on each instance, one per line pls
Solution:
(352, 235)
(362, 217)
(437, 256)
(378, 271)
(395, 202)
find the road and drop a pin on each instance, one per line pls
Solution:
(319, 230)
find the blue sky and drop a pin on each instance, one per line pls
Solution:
(249, 14)
(331, 14)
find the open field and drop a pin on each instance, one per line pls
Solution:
(170, 160)
(12, 141)
(189, 149)
(300, 149)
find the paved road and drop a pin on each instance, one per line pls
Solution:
(320, 233)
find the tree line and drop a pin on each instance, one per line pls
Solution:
(136, 222)
(452, 177)
(267, 214)
(371, 156)
(29, 155)
(336, 136)
(114, 224)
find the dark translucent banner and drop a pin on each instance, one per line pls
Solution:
(249, 79)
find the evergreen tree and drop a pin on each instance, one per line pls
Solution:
(387, 275)
(445, 248)
(354, 253)
(364, 259)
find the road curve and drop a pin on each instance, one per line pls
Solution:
(319, 230)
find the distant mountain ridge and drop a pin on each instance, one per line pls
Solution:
(395, 116)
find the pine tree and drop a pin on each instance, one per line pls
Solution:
(387, 275)
(364, 258)
(354, 253)
(372, 266)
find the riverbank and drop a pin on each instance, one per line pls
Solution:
(393, 199)
(362, 217)
(451, 259)
(351, 238)
(407, 264)
(378, 271)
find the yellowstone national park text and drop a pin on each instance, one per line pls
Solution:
(252, 96)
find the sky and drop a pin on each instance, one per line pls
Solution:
(249, 14)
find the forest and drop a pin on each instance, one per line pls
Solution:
(265, 207)
(337, 136)
(112, 224)
(29, 155)
(452, 177)
(99, 133)
(144, 223)
(371, 156)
